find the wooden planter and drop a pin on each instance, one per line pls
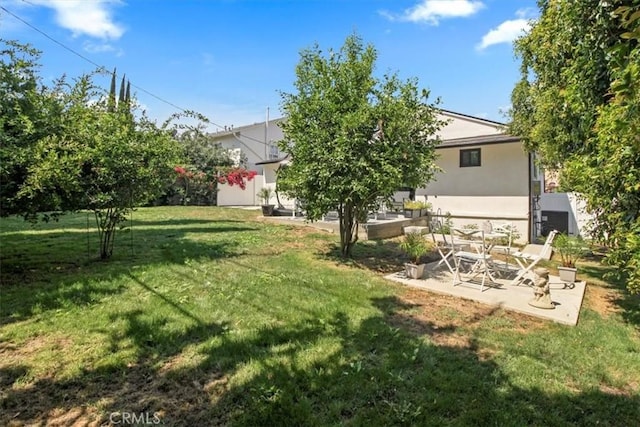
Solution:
(414, 271)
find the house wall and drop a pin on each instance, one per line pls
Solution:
(250, 140)
(496, 190)
(460, 126)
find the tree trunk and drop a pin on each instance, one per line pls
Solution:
(106, 222)
(348, 228)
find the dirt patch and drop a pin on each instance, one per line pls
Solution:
(175, 397)
(602, 300)
(449, 320)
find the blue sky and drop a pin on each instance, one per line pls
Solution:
(228, 59)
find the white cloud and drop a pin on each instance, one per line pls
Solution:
(91, 18)
(432, 11)
(101, 48)
(506, 32)
(526, 13)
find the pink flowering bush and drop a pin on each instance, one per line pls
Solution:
(236, 176)
(196, 187)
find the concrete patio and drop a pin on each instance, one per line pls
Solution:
(377, 226)
(567, 300)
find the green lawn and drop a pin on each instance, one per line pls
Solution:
(208, 316)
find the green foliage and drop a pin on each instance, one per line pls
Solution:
(442, 224)
(565, 76)
(570, 249)
(29, 112)
(415, 204)
(196, 183)
(265, 195)
(353, 138)
(74, 146)
(415, 246)
(578, 106)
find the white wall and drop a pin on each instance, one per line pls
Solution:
(251, 140)
(497, 190)
(235, 196)
(461, 126)
(504, 171)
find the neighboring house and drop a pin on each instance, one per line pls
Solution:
(486, 174)
(257, 141)
(258, 144)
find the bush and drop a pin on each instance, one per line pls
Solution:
(415, 245)
(570, 249)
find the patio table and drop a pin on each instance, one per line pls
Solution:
(481, 260)
(490, 239)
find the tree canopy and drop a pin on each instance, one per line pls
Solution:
(66, 148)
(578, 105)
(353, 138)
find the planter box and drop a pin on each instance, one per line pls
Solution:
(411, 213)
(414, 271)
(267, 210)
(567, 274)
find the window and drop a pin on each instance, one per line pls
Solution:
(470, 157)
(274, 152)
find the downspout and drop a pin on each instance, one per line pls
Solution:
(530, 227)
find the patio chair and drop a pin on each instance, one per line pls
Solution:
(527, 261)
(478, 262)
(445, 248)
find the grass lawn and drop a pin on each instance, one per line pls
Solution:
(208, 316)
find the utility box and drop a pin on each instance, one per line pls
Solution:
(555, 220)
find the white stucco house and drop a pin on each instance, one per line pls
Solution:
(257, 142)
(486, 174)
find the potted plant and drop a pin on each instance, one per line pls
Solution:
(570, 249)
(265, 195)
(415, 245)
(425, 207)
(411, 208)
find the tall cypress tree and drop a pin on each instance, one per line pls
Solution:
(111, 105)
(121, 95)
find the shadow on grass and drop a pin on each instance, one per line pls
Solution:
(389, 369)
(37, 278)
(177, 222)
(381, 256)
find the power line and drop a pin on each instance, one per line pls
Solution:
(101, 68)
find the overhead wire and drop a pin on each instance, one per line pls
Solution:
(101, 68)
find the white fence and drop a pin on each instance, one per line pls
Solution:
(568, 202)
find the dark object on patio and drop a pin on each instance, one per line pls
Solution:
(281, 211)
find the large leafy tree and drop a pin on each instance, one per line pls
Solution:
(101, 160)
(353, 138)
(577, 105)
(72, 146)
(28, 112)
